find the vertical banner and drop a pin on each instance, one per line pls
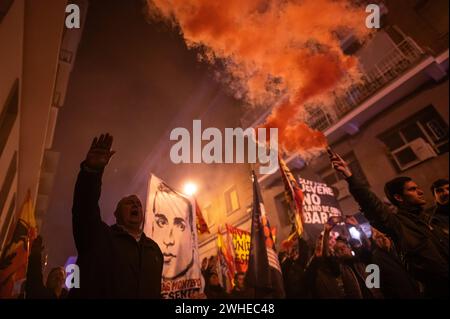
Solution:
(319, 204)
(170, 220)
(264, 271)
(14, 259)
(294, 195)
(202, 227)
(226, 262)
(240, 242)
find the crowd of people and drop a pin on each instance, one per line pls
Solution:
(407, 243)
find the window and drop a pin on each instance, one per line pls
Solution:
(8, 115)
(4, 7)
(426, 125)
(232, 200)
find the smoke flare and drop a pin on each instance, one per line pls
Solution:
(274, 50)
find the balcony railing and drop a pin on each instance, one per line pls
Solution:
(392, 65)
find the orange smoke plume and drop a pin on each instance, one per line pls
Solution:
(273, 50)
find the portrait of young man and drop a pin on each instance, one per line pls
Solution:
(170, 222)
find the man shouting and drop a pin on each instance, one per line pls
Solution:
(116, 261)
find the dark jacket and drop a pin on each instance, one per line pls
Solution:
(395, 281)
(339, 278)
(439, 217)
(423, 249)
(34, 285)
(322, 279)
(293, 271)
(246, 293)
(215, 292)
(112, 263)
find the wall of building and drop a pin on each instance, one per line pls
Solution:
(425, 21)
(11, 33)
(370, 152)
(42, 39)
(32, 33)
(374, 159)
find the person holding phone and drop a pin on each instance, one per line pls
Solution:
(424, 249)
(339, 273)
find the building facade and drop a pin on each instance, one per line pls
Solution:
(37, 54)
(393, 122)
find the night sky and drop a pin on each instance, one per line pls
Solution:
(132, 79)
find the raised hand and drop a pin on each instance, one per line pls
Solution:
(351, 220)
(37, 246)
(332, 221)
(339, 164)
(100, 152)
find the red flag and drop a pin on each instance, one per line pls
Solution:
(14, 259)
(289, 242)
(225, 259)
(294, 195)
(202, 227)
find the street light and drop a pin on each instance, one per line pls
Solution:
(190, 189)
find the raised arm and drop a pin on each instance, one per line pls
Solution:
(86, 219)
(34, 287)
(377, 212)
(328, 226)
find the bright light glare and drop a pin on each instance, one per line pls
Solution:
(190, 189)
(354, 233)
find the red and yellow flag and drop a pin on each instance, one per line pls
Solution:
(226, 261)
(14, 259)
(202, 227)
(294, 195)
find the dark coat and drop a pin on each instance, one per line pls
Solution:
(439, 217)
(395, 282)
(424, 249)
(338, 278)
(215, 292)
(294, 279)
(247, 293)
(112, 263)
(34, 285)
(322, 275)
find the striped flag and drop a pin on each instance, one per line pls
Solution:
(14, 260)
(202, 227)
(294, 195)
(264, 271)
(226, 261)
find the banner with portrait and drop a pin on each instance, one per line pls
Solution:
(170, 221)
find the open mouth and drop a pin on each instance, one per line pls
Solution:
(134, 213)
